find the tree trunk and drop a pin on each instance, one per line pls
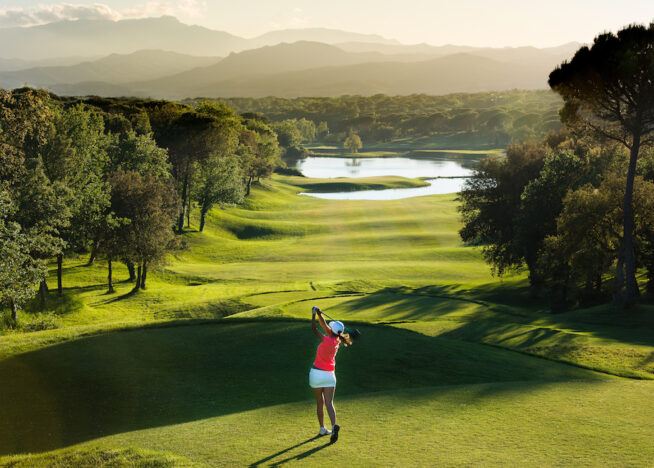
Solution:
(14, 313)
(629, 257)
(43, 291)
(94, 253)
(619, 278)
(144, 274)
(249, 183)
(588, 287)
(535, 280)
(598, 284)
(203, 215)
(188, 213)
(110, 283)
(60, 284)
(138, 279)
(130, 268)
(180, 220)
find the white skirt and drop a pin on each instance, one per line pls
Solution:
(320, 378)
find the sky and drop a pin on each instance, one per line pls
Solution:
(495, 23)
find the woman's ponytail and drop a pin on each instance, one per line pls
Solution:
(344, 338)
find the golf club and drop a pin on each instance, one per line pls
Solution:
(352, 332)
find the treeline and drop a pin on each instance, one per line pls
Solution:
(499, 117)
(556, 209)
(115, 178)
(577, 210)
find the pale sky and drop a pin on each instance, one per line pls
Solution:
(493, 23)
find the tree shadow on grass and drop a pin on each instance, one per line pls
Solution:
(481, 319)
(121, 297)
(296, 457)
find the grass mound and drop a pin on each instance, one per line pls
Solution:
(157, 377)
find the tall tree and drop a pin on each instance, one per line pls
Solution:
(189, 137)
(491, 201)
(150, 205)
(353, 142)
(540, 205)
(608, 89)
(218, 180)
(76, 156)
(19, 271)
(27, 122)
(258, 152)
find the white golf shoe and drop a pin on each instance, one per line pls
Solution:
(324, 431)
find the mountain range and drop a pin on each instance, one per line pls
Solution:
(98, 38)
(163, 58)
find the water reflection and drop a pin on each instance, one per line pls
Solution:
(449, 173)
(328, 167)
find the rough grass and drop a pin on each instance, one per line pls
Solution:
(96, 457)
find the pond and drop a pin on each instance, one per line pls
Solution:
(447, 170)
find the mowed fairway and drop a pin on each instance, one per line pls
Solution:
(209, 365)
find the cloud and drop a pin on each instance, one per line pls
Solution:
(43, 14)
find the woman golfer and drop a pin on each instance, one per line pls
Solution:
(321, 377)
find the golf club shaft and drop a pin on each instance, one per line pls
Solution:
(330, 318)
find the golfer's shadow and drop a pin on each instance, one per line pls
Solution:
(296, 457)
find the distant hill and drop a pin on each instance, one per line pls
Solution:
(326, 36)
(264, 61)
(451, 74)
(332, 63)
(104, 37)
(312, 69)
(115, 69)
(13, 64)
(98, 38)
(550, 55)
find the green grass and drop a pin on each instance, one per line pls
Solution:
(96, 457)
(335, 153)
(209, 365)
(346, 184)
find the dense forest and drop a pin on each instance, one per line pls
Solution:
(498, 117)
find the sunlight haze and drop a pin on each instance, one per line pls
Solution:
(495, 23)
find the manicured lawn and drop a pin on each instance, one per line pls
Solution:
(209, 365)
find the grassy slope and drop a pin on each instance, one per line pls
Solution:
(213, 394)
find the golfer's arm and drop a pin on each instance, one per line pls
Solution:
(314, 327)
(323, 324)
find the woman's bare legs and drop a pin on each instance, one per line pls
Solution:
(328, 397)
(319, 404)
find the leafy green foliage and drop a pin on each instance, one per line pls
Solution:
(218, 180)
(353, 142)
(19, 271)
(139, 153)
(491, 201)
(150, 205)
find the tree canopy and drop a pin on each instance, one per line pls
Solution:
(608, 90)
